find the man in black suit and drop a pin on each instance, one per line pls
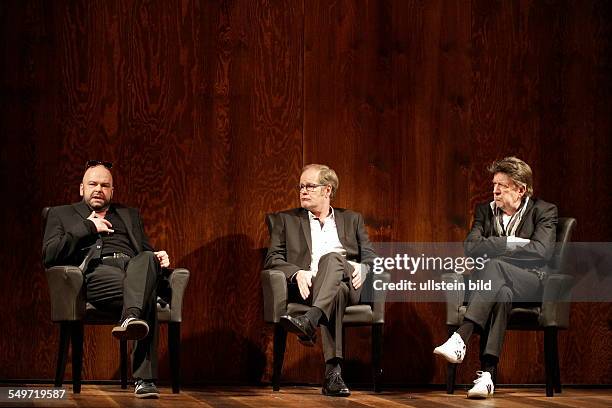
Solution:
(327, 253)
(107, 241)
(517, 232)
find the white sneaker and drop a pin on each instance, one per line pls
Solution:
(453, 350)
(483, 386)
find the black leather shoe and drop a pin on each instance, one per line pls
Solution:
(334, 386)
(300, 325)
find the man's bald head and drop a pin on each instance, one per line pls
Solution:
(97, 187)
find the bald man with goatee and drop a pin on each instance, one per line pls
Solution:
(121, 269)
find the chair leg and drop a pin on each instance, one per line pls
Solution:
(77, 355)
(343, 341)
(556, 369)
(451, 369)
(174, 344)
(62, 355)
(451, 372)
(123, 362)
(280, 340)
(377, 343)
(550, 335)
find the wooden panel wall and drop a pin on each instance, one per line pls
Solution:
(210, 108)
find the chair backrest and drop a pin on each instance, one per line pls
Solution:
(45, 214)
(565, 227)
(271, 219)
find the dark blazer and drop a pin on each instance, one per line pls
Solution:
(539, 224)
(71, 239)
(291, 243)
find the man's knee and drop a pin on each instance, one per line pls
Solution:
(150, 255)
(504, 295)
(493, 268)
(146, 262)
(331, 263)
(331, 257)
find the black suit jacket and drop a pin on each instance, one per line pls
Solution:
(539, 225)
(70, 239)
(291, 242)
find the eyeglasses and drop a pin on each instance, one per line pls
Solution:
(94, 163)
(309, 187)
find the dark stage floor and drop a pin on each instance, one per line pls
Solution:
(310, 397)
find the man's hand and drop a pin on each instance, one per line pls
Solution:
(102, 225)
(164, 259)
(304, 281)
(356, 280)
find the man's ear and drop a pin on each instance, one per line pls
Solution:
(81, 190)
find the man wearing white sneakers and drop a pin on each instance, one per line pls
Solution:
(517, 232)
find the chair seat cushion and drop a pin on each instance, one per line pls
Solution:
(521, 318)
(163, 313)
(354, 315)
(94, 315)
(524, 318)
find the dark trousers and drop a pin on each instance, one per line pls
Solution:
(331, 292)
(490, 309)
(117, 284)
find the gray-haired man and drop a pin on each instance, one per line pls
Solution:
(517, 232)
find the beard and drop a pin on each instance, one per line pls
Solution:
(98, 203)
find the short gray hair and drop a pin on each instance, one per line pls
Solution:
(327, 176)
(517, 170)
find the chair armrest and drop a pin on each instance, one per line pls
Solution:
(556, 300)
(379, 297)
(454, 299)
(274, 285)
(178, 279)
(66, 293)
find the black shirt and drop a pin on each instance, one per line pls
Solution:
(118, 241)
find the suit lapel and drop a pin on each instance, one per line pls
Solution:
(525, 216)
(82, 209)
(124, 214)
(305, 224)
(339, 219)
(96, 249)
(490, 221)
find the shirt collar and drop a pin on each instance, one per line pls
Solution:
(331, 215)
(523, 205)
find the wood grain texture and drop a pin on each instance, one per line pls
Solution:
(210, 108)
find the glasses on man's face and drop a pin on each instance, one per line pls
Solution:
(309, 187)
(94, 163)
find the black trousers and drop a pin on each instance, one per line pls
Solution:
(116, 284)
(490, 309)
(331, 292)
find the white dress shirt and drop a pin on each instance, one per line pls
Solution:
(324, 239)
